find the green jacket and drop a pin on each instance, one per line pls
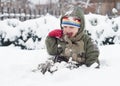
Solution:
(89, 49)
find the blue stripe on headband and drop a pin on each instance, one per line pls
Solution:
(71, 24)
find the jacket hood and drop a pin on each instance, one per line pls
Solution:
(77, 12)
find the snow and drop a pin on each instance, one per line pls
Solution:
(114, 10)
(16, 65)
(16, 69)
(43, 1)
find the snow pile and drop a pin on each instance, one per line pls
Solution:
(16, 69)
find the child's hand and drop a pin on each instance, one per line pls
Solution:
(57, 33)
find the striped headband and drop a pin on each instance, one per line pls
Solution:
(70, 21)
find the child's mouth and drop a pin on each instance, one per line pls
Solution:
(69, 34)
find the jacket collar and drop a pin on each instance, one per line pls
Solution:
(78, 37)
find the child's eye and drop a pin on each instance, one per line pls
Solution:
(71, 27)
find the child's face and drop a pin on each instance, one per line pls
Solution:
(70, 31)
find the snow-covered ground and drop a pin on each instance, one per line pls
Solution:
(16, 65)
(16, 69)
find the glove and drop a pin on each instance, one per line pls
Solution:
(57, 33)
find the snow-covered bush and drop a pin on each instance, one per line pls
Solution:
(115, 27)
(105, 31)
(31, 34)
(93, 21)
(115, 12)
(27, 34)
